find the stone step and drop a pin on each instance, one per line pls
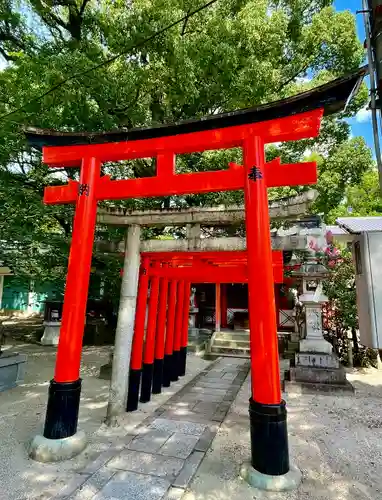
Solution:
(232, 336)
(284, 364)
(230, 355)
(293, 346)
(230, 350)
(235, 344)
(289, 354)
(196, 347)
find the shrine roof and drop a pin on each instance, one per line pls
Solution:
(332, 97)
(355, 225)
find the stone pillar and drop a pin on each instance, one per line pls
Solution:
(125, 325)
(193, 236)
(217, 308)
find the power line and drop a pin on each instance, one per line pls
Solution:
(109, 61)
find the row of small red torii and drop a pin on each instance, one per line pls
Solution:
(254, 177)
(162, 353)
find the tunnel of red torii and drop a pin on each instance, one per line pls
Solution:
(162, 357)
(295, 118)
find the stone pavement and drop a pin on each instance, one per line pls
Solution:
(158, 459)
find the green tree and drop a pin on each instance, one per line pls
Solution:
(340, 313)
(361, 199)
(235, 53)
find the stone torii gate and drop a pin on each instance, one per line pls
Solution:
(292, 119)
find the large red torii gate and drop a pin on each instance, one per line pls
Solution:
(291, 119)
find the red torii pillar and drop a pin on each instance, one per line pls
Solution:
(65, 388)
(168, 363)
(149, 349)
(160, 336)
(175, 372)
(269, 438)
(184, 333)
(138, 338)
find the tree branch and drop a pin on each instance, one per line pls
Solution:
(185, 23)
(287, 82)
(83, 6)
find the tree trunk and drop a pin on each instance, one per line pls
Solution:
(355, 340)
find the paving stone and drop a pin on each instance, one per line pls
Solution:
(220, 384)
(206, 407)
(106, 455)
(189, 469)
(209, 391)
(199, 396)
(180, 405)
(229, 398)
(147, 463)
(129, 486)
(71, 486)
(92, 486)
(174, 494)
(167, 425)
(149, 441)
(205, 440)
(179, 445)
(219, 416)
(199, 418)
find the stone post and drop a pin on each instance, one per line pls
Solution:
(312, 301)
(125, 326)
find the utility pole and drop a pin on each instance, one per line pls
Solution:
(372, 16)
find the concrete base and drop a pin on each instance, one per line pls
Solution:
(319, 345)
(12, 368)
(51, 333)
(105, 371)
(287, 482)
(293, 387)
(46, 450)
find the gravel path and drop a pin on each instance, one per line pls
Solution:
(22, 414)
(335, 440)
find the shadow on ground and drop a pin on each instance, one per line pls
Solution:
(334, 439)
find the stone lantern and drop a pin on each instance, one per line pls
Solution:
(316, 365)
(312, 298)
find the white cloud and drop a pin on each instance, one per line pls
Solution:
(363, 115)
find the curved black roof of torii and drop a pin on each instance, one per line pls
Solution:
(332, 96)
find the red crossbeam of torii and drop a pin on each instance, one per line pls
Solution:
(166, 182)
(207, 266)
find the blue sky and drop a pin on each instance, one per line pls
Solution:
(361, 124)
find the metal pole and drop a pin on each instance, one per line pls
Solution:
(373, 89)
